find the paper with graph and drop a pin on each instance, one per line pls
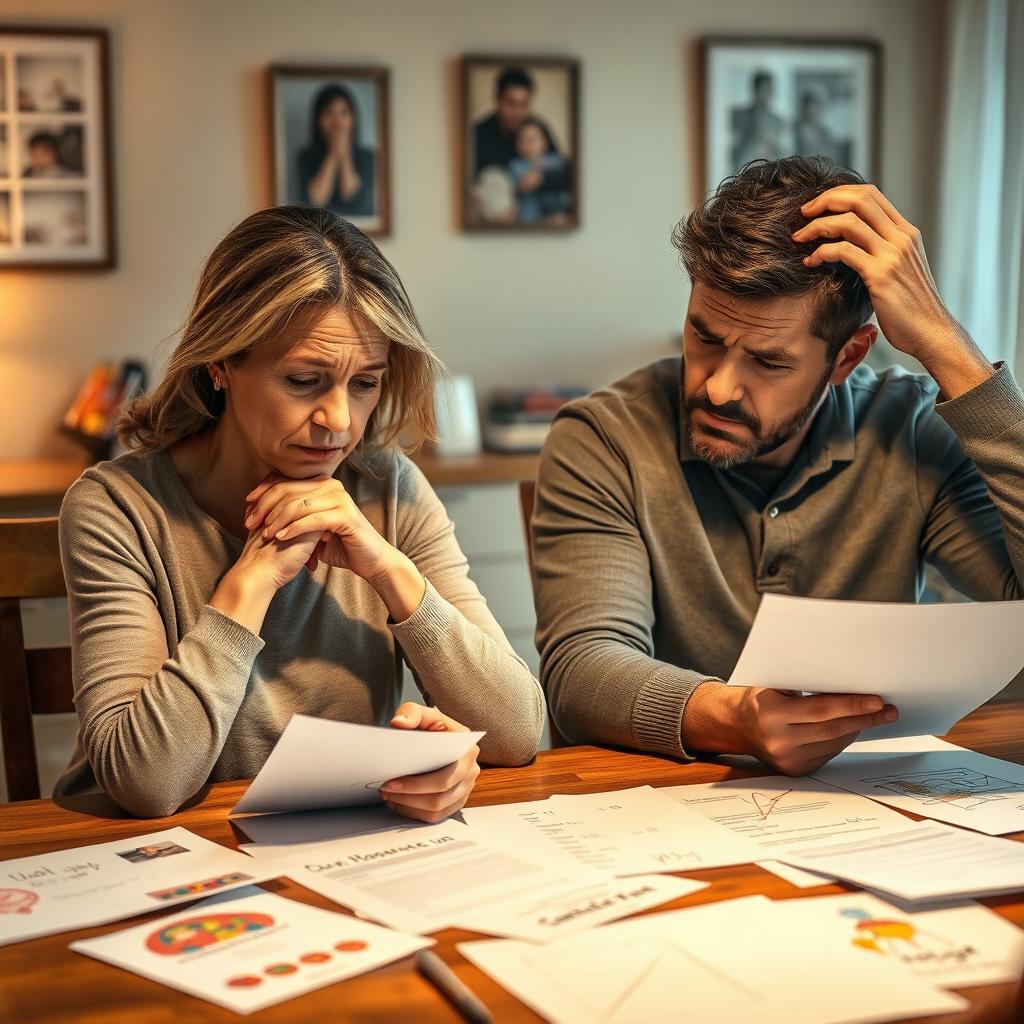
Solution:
(935, 662)
(955, 785)
(775, 812)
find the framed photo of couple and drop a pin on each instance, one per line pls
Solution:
(520, 153)
(331, 144)
(770, 98)
(56, 191)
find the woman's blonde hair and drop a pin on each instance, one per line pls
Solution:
(275, 268)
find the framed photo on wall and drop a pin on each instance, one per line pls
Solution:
(331, 143)
(56, 180)
(770, 98)
(520, 128)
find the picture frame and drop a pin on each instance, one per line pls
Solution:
(774, 97)
(56, 168)
(330, 140)
(520, 154)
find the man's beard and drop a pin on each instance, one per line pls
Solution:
(761, 443)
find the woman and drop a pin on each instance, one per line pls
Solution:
(265, 550)
(335, 171)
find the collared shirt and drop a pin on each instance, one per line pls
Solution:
(649, 563)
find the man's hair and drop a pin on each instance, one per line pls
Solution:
(738, 242)
(514, 78)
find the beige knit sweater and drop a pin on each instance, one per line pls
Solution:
(172, 694)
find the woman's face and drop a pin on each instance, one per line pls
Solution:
(336, 119)
(300, 404)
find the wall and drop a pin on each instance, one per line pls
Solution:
(192, 158)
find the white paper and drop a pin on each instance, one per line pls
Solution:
(305, 827)
(795, 876)
(252, 950)
(318, 763)
(934, 662)
(734, 960)
(443, 876)
(626, 832)
(774, 812)
(955, 785)
(58, 892)
(924, 861)
(954, 948)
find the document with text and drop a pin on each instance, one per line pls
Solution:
(442, 876)
(923, 861)
(58, 892)
(624, 832)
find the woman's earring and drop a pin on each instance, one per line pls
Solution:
(216, 383)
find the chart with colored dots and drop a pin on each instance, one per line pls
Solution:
(250, 949)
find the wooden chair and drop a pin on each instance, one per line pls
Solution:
(31, 682)
(527, 493)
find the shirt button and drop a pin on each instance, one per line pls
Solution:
(773, 511)
(773, 569)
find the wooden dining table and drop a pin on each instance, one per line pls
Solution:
(43, 982)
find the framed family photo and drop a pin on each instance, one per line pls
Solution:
(520, 128)
(331, 143)
(770, 98)
(56, 181)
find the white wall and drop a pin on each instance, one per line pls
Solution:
(192, 158)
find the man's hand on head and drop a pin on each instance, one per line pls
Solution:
(873, 238)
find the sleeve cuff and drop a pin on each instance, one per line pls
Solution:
(657, 718)
(986, 411)
(223, 634)
(428, 626)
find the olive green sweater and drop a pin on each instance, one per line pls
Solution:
(649, 564)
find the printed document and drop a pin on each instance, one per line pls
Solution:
(319, 763)
(955, 785)
(953, 947)
(934, 662)
(58, 892)
(923, 861)
(625, 832)
(251, 950)
(441, 876)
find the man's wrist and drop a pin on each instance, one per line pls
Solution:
(709, 719)
(956, 363)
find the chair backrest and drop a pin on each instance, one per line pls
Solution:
(527, 493)
(36, 681)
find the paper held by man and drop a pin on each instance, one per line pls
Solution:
(935, 663)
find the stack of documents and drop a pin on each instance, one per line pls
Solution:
(752, 959)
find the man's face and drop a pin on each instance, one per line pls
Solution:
(753, 374)
(513, 107)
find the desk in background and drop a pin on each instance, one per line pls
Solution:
(43, 981)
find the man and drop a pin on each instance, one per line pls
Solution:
(757, 129)
(769, 459)
(494, 137)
